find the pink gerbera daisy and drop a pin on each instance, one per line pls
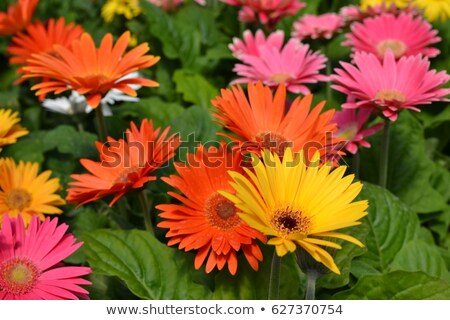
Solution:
(351, 123)
(315, 27)
(30, 261)
(250, 44)
(390, 85)
(265, 11)
(293, 65)
(404, 34)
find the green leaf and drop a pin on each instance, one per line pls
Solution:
(69, 141)
(194, 126)
(195, 88)
(344, 258)
(410, 169)
(398, 285)
(391, 227)
(416, 256)
(150, 269)
(159, 111)
(248, 284)
(28, 148)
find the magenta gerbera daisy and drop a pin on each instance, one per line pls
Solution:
(30, 261)
(390, 85)
(405, 35)
(293, 65)
(315, 27)
(352, 128)
(250, 44)
(265, 11)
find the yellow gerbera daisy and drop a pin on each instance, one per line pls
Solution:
(298, 204)
(434, 9)
(370, 3)
(127, 8)
(23, 191)
(10, 129)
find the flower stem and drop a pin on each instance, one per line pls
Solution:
(312, 276)
(355, 164)
(384, 157)
(274, 282)
(101, 124)
(146, 210)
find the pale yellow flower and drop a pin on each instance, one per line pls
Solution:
(127, 8)
(434, 9)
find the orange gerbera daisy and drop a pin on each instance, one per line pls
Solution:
(89, 70)
(38, 38)
(261, 121)
(10, 129)
(23, 191)
(17, 17)
(206, 221)
(124, 165)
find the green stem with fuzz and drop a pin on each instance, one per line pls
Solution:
(146, 211)
(384, 156)
(101, 124)
(312, 276)
(274, 281)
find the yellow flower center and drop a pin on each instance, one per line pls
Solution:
(18, 199)
(398, 47)
(280, 77)
(221, 212)
(390, 95)
(18, 276)
(288, 221)
(273, 141)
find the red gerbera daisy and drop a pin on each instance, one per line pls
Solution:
(89, 70)
(124, 165)
(206, 221)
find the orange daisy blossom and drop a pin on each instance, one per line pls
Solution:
(261, 121)
(89, 70)
(40, 38)
(206, 221)
(124, 165)
(17, 17)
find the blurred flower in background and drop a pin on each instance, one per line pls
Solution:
(40, 38)
(351, 125)
(17, 17)
(316, 27)
(434, 10)
(127, 8)
(10, 129)
(266, 11)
